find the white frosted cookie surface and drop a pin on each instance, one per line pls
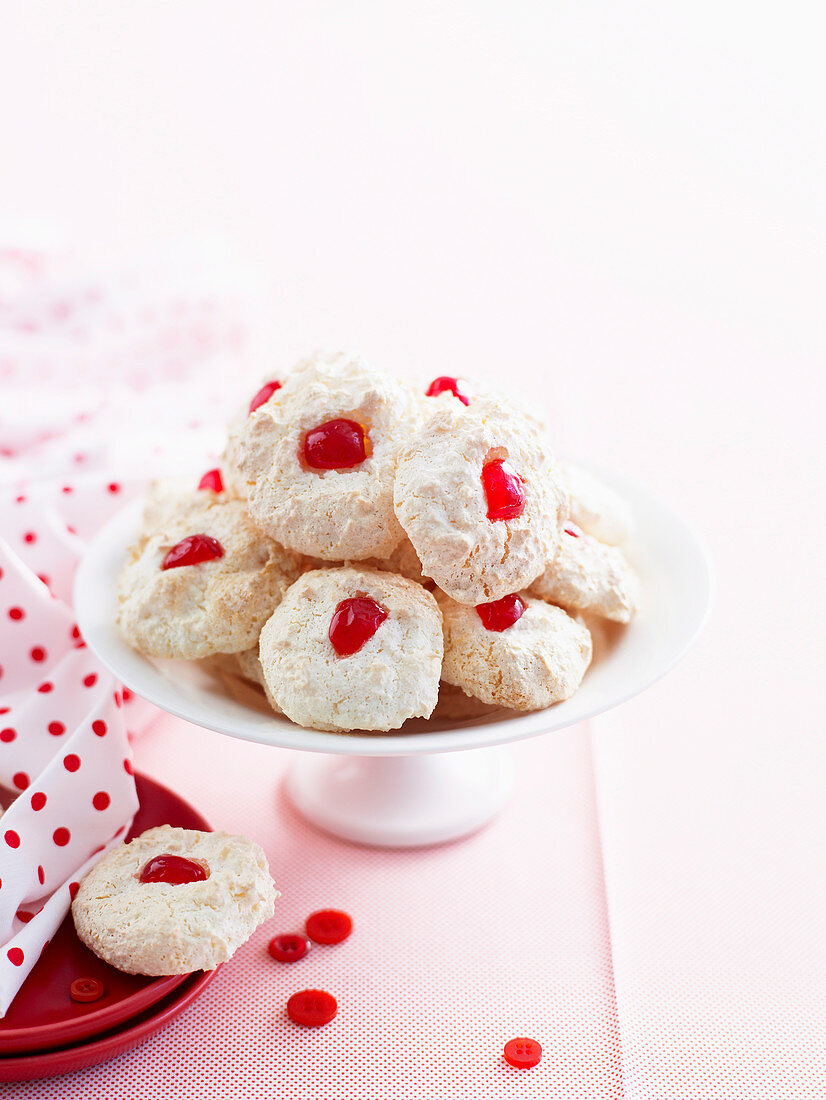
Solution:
(234, 480)
(170, 499)
(537, 661)
(403, 560)
(596, 507)
(588, 575)
(393, 677)
(329, 514)
(440, 500)
(157, 928)
(217, 606)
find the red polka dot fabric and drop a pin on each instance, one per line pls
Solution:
(64, 316)
(82, 425)
(63, 737)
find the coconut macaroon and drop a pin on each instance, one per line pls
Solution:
(403, 560)
(478, 494)
(590, 576)
(455, 704)
(516, 652)
(596, 507)
(244, 666)
(319, 457)
(604, 634)
(249, 667)
(353, 648)
(170, 499)
(203, 585)
(173, 901)
(235, 482)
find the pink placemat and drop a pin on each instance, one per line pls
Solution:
(456, 949)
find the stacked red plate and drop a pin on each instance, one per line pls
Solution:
(74, 1010)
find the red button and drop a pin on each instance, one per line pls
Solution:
(288, 947)
(85, 990)
(312, 1007)
(523, 1053)
(329, 926)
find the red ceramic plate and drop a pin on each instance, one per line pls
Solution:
(43, 1015)
(52, 1063)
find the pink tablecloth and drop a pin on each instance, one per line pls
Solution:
(456, 949)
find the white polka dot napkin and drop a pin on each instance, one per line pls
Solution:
(65, 760)
(109, 376)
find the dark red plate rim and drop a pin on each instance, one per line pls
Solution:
(158, 805)
(52, 1063)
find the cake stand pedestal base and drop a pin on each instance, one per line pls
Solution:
(401, 801)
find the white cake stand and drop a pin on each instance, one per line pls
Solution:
(431, 781)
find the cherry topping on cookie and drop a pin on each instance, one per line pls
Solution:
(193, 550)
(445, 384)
(212, 480)
(264, 394)
(354, 622)
(501, 614)
(173, 870)
(335, 445)
(504, 490)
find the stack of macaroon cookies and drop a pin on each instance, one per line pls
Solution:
(369, 552)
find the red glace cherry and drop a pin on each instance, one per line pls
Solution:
(445, 384)
(335, 445)
(501, 614)
(264, 394)
(523, 1053)
(354, 622)
(572, 530)
(193, 550)
(173, 870)
(329, 926)
(504, 490)
(312, 1007)
(288, 947)
(212, 480)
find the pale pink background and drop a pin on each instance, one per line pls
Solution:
(617, 209)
